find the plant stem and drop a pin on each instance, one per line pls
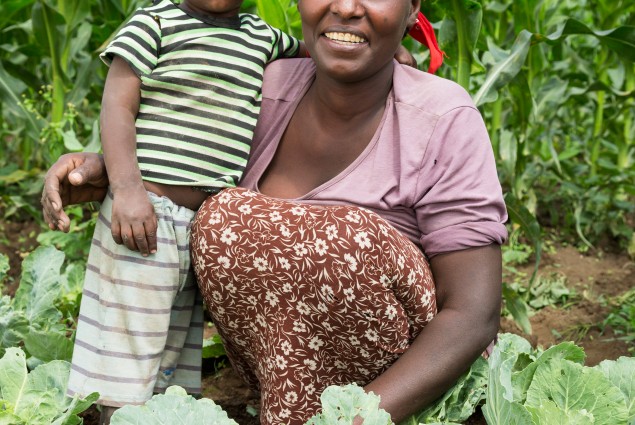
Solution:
(464, 63)
(57, 110)
(496, 122)
(597, 130)
(627, 141)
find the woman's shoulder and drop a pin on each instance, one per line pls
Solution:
(428, 92)
(285, 79)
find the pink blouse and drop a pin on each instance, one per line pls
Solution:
(429, 169)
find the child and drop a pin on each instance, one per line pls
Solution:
(178, 113)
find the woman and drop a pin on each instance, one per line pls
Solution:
(399, 155)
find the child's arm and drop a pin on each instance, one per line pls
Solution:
(133, 217)
(403, 56)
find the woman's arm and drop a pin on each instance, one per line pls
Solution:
(468, 285)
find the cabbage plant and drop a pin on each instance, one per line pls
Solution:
(37, 397)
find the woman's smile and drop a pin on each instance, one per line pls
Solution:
(344, 41)
(344, 37)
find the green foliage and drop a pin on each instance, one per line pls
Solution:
(340, 405)
(460, 401)
(32, 317)
(621, 320)
(555, 81)
(38, 397)
(19, 191)
(213, 348)
(173, 407)
(4, 267)
(529, 386)
(622, 375)
(520, 385)
(281, 14)
(75, 243)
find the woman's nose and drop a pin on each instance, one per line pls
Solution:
(347, 8)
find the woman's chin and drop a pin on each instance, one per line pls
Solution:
(349, 71)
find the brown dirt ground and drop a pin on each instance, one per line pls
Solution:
(17, 239)
(596, 278)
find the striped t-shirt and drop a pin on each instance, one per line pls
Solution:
(201, 81)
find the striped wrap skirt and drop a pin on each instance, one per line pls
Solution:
(140, 327)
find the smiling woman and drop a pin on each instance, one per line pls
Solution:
(328, 27)
(364, 244)
(352, 156)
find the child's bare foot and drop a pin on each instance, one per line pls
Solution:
(106, 414)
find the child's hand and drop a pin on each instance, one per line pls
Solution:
(134, 222)
(404, 57)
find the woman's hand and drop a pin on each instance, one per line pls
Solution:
(73, 179)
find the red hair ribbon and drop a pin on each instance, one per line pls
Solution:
(423, 32)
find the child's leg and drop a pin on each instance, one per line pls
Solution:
(182, 359)
(106, 414)
(125, 314)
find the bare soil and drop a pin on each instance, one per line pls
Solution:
(596, 279)
(17, 239)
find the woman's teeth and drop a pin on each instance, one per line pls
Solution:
(344, 37)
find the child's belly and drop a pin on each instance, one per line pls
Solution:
(185, 196)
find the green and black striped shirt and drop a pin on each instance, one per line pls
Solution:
(201, 83)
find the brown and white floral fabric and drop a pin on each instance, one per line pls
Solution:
(307, 296)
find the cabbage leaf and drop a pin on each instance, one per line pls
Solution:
(341, 404)
(38, 397)
(173, 407)
(622, 374)
(578, 392)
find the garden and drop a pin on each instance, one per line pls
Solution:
(555, 82)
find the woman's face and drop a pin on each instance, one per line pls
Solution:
(352, 40)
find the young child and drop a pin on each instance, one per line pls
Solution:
(179, 109)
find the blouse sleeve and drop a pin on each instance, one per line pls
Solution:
(138, 43)
(460, 203)
(283, 45)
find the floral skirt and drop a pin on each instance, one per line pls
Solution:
(307, 296)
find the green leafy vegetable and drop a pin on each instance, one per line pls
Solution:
(341, 404)
(173, 407)
(529, 386)
(572, 391)
(622, 374)
(460, 401)
(4, 266)
(13, 325)
(38, 397)
(39, 285)
(213, 347)
(32, 317)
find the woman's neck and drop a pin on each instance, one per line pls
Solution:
(349, 101)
